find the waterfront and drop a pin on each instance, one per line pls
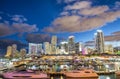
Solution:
(100, 77)
(99, 64)
(111, 76)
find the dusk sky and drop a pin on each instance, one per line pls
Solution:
(24, 21)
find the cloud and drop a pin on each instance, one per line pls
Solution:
(115, 36)
(94, 11)
(78, 5)
(64, 13)
(18, 18)
(109, 38)
(61, 24)
(116, 33)
(76, 23)
(24, 27)
(117, 4)
(90, 43)
(38, 38)
(112, 38)
(82, 16)
(7, 29)
(16, 24)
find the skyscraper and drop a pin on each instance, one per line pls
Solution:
(78, 47)
(53, 44)
(47, 47)
(9, 51)
(99, 41)
(71, 45)
(39, 49)
(64, 47)
(14, 50)
(35, 49)
(32, 48)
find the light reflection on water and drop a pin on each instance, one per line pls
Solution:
(112, 76)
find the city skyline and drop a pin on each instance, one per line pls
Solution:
(24, 22)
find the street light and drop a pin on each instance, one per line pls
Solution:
(107, 67)
(107, 77)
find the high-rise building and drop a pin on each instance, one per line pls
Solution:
(35, 49)
(23, 53)
(39, 49)
(14, 50)
(47, 47)
(58, 50)
(9, 51)
(71, 45)
(53, 44)
(109, 49)
(32, 48)
(78, 47)
(64, 47)
(99, 41)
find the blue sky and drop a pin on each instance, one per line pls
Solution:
(36, 21)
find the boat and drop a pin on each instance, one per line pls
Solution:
(117, 73)
(81, 74)
(26, 74)
(3, 66)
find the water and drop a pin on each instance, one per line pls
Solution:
(112, 76)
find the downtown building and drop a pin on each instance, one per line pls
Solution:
(9, 51)
(53, 45)
(71, 45)
(109, 49)
(78, 47)
(12, 51)
(47, 48)
(64, 47)
(35, 49)
(99, 41)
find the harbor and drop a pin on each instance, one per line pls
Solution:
(59, 39)
(62, 67)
